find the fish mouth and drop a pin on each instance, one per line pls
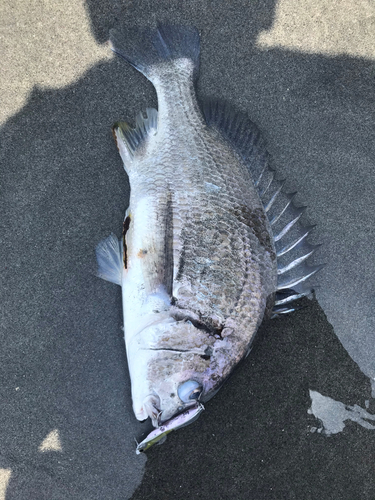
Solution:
(183, 418)
(152, 405)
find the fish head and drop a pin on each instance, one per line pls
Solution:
(179, 366)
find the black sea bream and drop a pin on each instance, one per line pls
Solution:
(211, 245)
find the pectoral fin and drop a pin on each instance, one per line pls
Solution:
(109, 257)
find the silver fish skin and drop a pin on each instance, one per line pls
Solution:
(197, 263)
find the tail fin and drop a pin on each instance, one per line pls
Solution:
(146, 49)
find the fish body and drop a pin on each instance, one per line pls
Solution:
(198, 262)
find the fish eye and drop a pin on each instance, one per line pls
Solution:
(189, 391)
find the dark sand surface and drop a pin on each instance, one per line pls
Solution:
(62, 359)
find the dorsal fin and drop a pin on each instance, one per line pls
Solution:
(129, 140)
(290, 236)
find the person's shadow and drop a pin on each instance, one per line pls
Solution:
(62, 361)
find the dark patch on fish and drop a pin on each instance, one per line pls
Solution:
(256, 219)
(208, 353)
(125, 227)
(168, 245)
(207, 324)
(181, 263)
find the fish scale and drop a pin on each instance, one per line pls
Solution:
(211, 240)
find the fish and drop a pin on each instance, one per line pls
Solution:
(212, 245)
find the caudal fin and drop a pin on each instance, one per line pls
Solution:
(149, 48)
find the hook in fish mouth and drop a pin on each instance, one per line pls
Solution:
(185, 418)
